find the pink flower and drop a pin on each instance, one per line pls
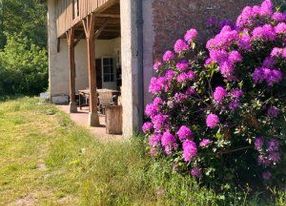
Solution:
(191, 35)
(227, 69)
(212, 121)
(234, 57)
(236, 93)
(280, 28)
(218, 56)
(168, 142)
(182, 65)
(159, 121)
(268, 62)
(154, 140)
(208, 62)
(274, 157)
(278, 16)
(189, 150)
(205, 143)
(258, 143)
(196, 172)
(262, 160)
(151, 110)
(273, 111)
(244, 41)
(180, 46)
(270, 76)
(157, 65)
(157, 84)
(180, 97)
(183, 77)
(273, 145)
(168, 56)
(170, 74)
(147, 127)
(190, 91)
(266, 8)
(276, 52)
(265, 32)
(157, 101)
(219, 94)
(184, 133)
(191, 75)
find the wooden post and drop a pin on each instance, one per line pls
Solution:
(113, 119)
(70, 39)
(88, 24)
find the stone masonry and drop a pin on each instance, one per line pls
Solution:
(172, 18)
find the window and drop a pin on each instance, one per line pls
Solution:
(75, 8)
(108, 71)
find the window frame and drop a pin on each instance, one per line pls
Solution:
(109, 74)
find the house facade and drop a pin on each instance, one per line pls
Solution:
(112, 44)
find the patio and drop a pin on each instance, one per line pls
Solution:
(81, 118)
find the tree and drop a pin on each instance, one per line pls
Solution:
(23, 67)
(2, 36)
(26, 17)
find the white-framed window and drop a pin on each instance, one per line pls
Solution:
(108, 74)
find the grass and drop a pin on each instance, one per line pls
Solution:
(47, 160)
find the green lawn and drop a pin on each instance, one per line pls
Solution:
(47, 160)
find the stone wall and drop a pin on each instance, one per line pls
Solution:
(173, 17)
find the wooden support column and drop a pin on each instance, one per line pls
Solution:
(70, 39)
(88, 24)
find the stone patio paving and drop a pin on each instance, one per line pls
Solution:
(81, 118)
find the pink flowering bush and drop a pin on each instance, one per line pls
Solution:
(219, 114)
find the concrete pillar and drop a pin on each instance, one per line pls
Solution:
(52, 40)
(58, 59)
(130, 62)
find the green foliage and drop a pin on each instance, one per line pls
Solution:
(23, 67)
(281, 5)
(27, 17)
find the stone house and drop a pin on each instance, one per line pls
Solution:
(113, 44)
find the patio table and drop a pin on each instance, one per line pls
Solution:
(104, 96)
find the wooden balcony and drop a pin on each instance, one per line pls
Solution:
(70, 14)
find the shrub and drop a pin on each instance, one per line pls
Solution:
(219, 114)
(23, 67)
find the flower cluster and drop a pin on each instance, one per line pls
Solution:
(211, 114)
(250, 16)
(255, 24)
(269, 153)
(270, 76)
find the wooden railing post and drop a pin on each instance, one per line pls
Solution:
(70, 41)
(88, 24)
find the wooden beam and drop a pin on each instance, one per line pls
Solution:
(98, 32)
(112, 16)
(78, 39)
(88, 24)
(70, 41)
